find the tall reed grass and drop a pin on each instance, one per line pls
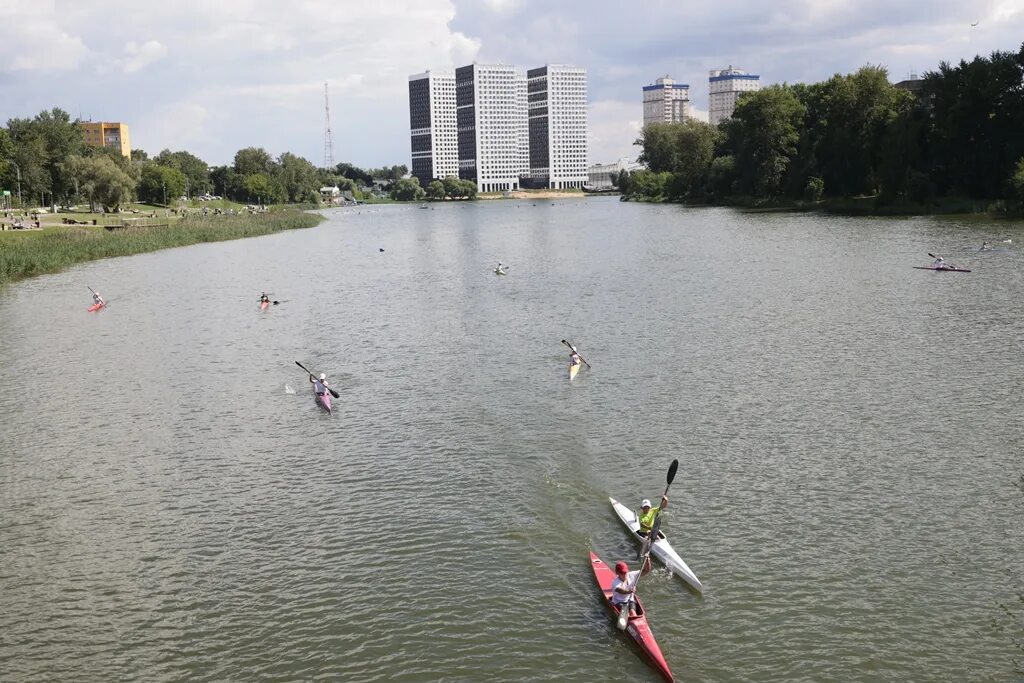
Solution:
(53, 249)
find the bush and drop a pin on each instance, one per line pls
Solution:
(814, 189)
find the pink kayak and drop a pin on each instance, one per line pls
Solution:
(96, 307)
(324, 400)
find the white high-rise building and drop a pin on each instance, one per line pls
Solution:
(435, 152)
(666, 101)
(489, 106)
(557, 102)
(501, 129)
(724, 87)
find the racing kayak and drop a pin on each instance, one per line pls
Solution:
(263, 305)
(637, 628)
(324, 400)
(96, 307)
(661, 548)
(573, 369)
(954, 269)
(498, 271)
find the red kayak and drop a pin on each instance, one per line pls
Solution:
(263, 305)
(324, 400)
(637, 629)
(953, 269)
(96, 307)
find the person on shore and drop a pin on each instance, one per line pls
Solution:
(97, 299)
(319, 384)
(648, 515)
(624, 584)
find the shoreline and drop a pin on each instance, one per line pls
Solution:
(54, 248)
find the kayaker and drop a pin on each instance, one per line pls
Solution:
(319, 385)
(97, 299)
(648, 514)
(574, 357)
(264, 298)
(984, 246)
(939, 262)
(624, 584)
(499, 268)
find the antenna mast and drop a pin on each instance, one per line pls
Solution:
(328, 139)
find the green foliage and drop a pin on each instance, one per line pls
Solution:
(814, 189)
(297, 177)
(102, 181)
(1017, 183)
(407, 189)
(764, 134)
(160, 184)
(435, 190)
(191, 167)
(253, 160)
(459, 189)
(648, 185)
(258, 188)
(683, 149)
(54, 249)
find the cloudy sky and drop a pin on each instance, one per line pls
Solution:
(212, 76)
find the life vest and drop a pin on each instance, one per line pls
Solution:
(647, 520)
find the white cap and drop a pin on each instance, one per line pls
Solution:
(323, 376)
(645, 503)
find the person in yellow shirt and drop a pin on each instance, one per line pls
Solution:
(648, 514)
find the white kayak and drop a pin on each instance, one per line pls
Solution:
(661, 548)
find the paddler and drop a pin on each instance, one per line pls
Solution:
(264, 299)
(319, 385)
(624, 584)
(574, 357)
(939, 262)
(97, 299)
(648, 515)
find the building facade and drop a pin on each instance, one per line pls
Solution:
(606, 176)
(504, 129)
(724, 88)
(666, 101)
(103, 134)
(432, 130)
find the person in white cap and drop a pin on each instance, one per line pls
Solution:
(648, 514)
(319, 385)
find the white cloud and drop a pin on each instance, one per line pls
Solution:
(140, 56)
(612, 126)
(32, 39)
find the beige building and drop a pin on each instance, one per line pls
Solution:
(103, 134)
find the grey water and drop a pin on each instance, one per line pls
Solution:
(849, 432)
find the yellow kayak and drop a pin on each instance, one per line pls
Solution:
(573, 369)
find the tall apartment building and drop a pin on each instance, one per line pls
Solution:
(724, 87)
(510, 130)
(557, 103)
(488, 109)
(102, 134)
(435, 152)
(666, 101)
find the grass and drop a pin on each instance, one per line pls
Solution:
(51, 250)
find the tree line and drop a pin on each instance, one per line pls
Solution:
(960, 136)
(45, 159)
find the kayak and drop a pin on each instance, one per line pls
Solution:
(954, 269)
(263, 305)
(637, 628)
(573, 369)
(96, 307)
(661, 548)
(500, 272)
(324, 400)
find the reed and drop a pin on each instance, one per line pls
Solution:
(30, 253)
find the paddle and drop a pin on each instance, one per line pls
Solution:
(334, 393)
(645, 548)
(572, 348)
(94, 293)
(947, 262)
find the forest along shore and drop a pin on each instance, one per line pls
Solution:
(25, 254)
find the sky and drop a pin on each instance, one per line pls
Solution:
(214, 76)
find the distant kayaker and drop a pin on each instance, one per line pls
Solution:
(500, 269)
(939, 262)
(648, 515)
(319, 385)
(624, 583)
(984, 246)
(574, 357)
(97, 299)
(264, 299)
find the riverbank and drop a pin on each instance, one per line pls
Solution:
(28, 253)
(851, 206)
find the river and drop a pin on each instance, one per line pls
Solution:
(849, 432)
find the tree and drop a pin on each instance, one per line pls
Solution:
(253, 160)
(297, 177)
(407, 189)
(258, 187)
(658, 148)
(435, 190)
(763, 133)
(161, 184)
(1017, 184)
(139, 155)
(192, 167)
(102, 181)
